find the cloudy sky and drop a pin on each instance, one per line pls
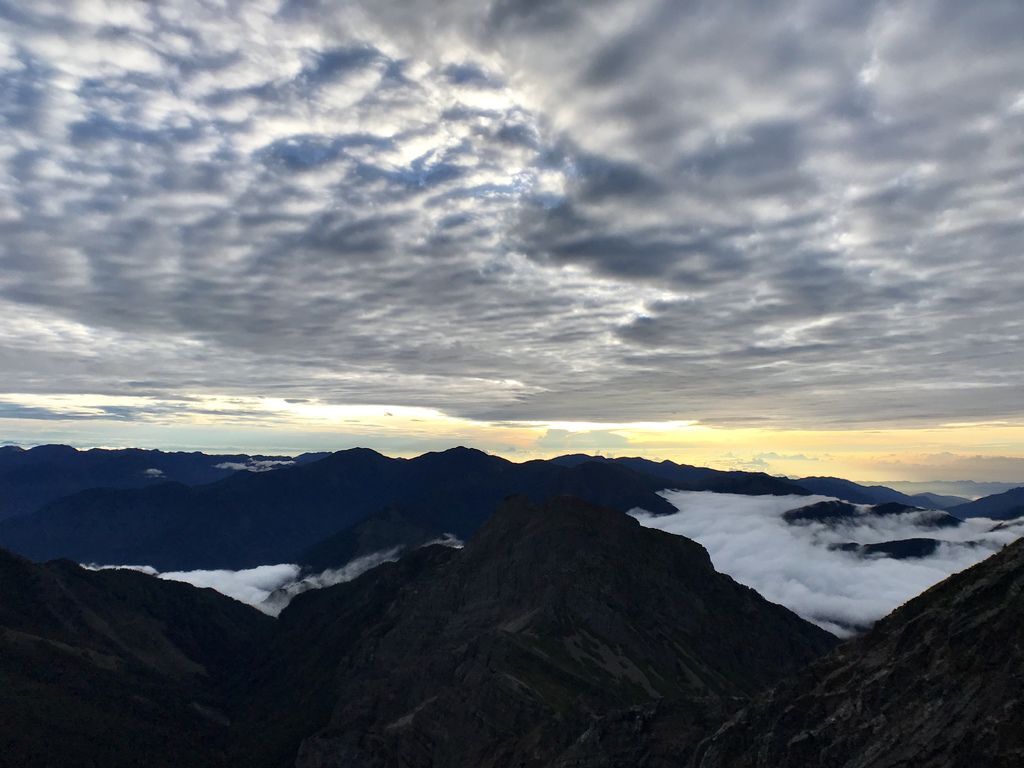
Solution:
(756, 234)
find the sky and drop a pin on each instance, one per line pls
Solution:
(782, 236)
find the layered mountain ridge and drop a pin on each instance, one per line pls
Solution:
(552, 621)
(249, 519)
(563, 634)
(507, 652)
(32, 477)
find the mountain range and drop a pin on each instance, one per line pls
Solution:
(30, 478)
(248, 519)
(305, 511)
(1000, 506)
(563, 634)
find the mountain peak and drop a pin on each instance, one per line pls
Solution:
(552, 615)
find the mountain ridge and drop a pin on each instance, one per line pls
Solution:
(249, 519)
(936, 684)
(116, 664)
(32, 477)
(999, 506)
(552, 618)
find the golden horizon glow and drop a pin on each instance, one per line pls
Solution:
(955, 451)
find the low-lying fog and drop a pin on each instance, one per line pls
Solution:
(747, 537)
(842, 592)
(271, 587)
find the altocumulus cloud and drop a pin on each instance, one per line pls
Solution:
(618, 206)
(748, 539)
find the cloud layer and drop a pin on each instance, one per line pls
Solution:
(793, 564)
(765, 213)
(270, 588)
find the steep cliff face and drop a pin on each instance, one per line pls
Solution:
(937, 684)
(556, 631)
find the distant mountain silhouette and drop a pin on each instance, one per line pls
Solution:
(552, 622)
(30, 478)
(937, 500)
(937, 684)
(858, 493)
(968, 489)
(837, 514)
(682, 477)
(251, 519)
(116, 668)
(1001, 506)
(840, 512)
(899, 549)
(855, 492)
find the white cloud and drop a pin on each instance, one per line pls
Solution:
(275, 603)
(748, 539)
(270, 588)
(254, 465)
(252, 585)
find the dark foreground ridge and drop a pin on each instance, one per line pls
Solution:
(519, 649)
(562, 634)
(937, 684)
(117, 668)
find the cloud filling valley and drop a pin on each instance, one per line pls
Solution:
(793, 565)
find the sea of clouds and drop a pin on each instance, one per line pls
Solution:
(793, 565)
(270, 588)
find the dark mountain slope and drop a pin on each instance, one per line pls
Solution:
(33, 477)
(1001, 506)
(382, 531)
(855, 492)
(837, 513)
(116, 668)
(936, 500)
(898, 549)
(683, 477)
(551, 622)
(252, 519)
(937, 684)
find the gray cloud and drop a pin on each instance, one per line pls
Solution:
(749, 212)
